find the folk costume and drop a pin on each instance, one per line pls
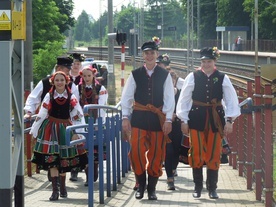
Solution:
(57, 112)
(150, 94)
(93, 94)
(173, 148)
(42, 88)
(200, 106)
(77, 57)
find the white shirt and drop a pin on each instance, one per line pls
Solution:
(179, 83)
(129, 91)
(43, 114)
(185, 101)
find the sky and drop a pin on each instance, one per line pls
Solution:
(93, 6)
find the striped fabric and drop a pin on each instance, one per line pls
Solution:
(147, 151)
(51, 150)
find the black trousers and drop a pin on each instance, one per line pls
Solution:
(173, 148)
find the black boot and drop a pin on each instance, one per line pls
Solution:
(212, 176)
(224, 159)
(96, 171)
(86, 173)
(74, 174)
(198, 180)
(49, 176)
(142, 184)
(55, 193)
(152, 181)
(63, 191)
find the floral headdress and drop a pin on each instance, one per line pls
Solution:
(216, 52)
(157, 41)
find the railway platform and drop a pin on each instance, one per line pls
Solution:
(231, 189)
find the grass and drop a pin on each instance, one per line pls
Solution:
(117, 71)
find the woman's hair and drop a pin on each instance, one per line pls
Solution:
(67, 78)
(93, 70)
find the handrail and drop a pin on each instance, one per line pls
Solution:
(106, 132)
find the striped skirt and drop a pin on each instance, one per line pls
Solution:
(51, 150)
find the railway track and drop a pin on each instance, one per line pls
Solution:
(239, 73)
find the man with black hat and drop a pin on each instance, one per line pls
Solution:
(149, 93)
(37, 95)
(164, 62)
(76, 67)
(204, 118)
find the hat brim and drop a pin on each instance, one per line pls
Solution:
(146, 49)
(207, 58)
(67, 66)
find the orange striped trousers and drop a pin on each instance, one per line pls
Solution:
(147, 151)
(205, 147)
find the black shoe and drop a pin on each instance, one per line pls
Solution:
(74, 175)
(136, 186)
(152, 195)
(139, 193)
(213, 194)
(197, 193)
(170, 185)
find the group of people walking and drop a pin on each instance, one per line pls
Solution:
(61, 97)
(160, 112)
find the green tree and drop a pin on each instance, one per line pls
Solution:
(47, 36)
(45, 59)
(231, 13)
(83, 27)
(173, 16)
(45, 29)
(267, 17)
(66, 8)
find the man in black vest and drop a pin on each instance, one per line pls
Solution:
(149, 92)
(204, 118)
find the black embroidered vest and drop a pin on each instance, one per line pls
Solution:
(206, 89)
(149, 90)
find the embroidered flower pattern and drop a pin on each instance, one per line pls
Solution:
(215, 79)
(49, 159)
(74, 102)
(216, 52)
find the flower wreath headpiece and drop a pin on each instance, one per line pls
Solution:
(216, 52)
(157, 41)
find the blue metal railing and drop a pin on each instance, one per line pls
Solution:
(105, 132)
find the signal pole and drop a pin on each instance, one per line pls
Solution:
(111, 76)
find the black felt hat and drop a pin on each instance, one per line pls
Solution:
(65, 61)
(151, 45)
(207, 53)
(165, 59)
(78, 56)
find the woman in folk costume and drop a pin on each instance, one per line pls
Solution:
(59, 109)
(92, 92)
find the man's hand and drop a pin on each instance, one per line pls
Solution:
(185, 129)
(167, 128)
(75, 137)
(126, 127)
(27, 116)
(228, 128)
